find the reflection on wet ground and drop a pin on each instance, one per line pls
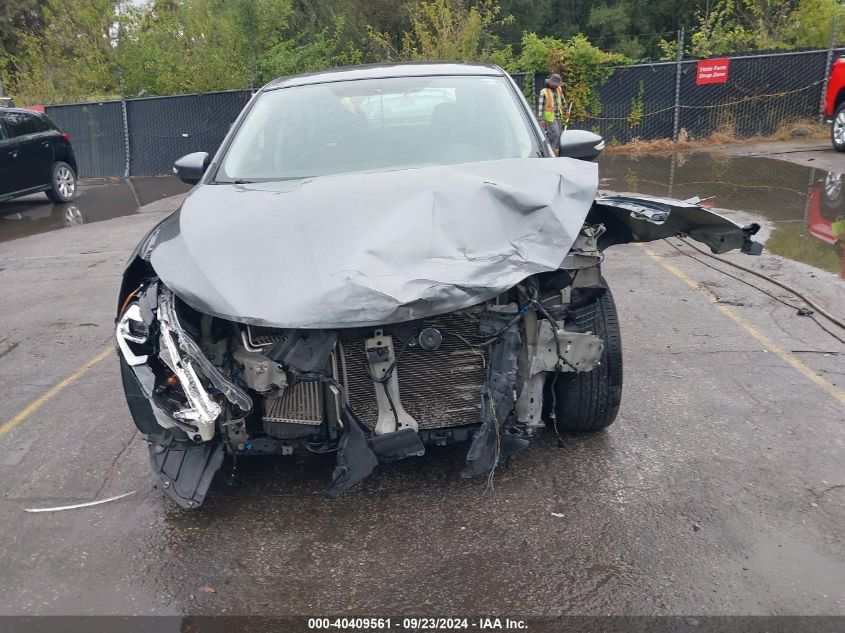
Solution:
(805, 205)
(96, 201)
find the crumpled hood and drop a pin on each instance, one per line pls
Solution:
(374, 248)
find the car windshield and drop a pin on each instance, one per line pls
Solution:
(378, 125)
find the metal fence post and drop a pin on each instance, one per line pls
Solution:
(677, 120)
(828, 64)
(125, 124)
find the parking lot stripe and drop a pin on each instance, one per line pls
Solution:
(33, 406)
(832, 390)
(65, 256)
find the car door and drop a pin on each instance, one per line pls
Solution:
(34, 151)
(8, 160)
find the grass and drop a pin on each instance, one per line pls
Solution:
(795, 130)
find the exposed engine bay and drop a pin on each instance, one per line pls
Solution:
(372, 394)
(450, 307)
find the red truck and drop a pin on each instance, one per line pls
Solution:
(834, 104)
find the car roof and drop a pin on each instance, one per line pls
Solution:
(22, 111)
(384, 71)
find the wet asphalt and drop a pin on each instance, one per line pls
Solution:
(719, 490)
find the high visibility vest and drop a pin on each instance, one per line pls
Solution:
(549, 103)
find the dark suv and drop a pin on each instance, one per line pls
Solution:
(35, 155)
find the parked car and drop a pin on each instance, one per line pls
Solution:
(35, 155)
(826, 213)
(834, 104)
(364, 272)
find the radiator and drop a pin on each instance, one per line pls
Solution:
(440, 388)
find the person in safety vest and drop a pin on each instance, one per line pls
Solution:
(551, 109)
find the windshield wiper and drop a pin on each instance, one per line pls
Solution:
(243, 182)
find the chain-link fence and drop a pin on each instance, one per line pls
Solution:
(761, 94)
(161, 129)
(142, 137)
(96, 130)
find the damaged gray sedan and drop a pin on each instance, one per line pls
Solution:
(379, 260)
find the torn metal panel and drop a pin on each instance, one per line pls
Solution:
(148, 302)
(579, 352)
(645, 219)
(169, 322)
(397, 445)
(186, 469)
(303, 351)
(372, 248)
(202, 411)
(529, 403)
(355, 459)
(260, 373)
(585, 252)
(492, 443)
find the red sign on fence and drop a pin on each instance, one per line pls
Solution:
(712, 71)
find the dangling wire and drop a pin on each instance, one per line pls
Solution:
(488, 489)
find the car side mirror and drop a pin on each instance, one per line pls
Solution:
(191, 167)
(580, 144)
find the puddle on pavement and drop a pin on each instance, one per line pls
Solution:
(806, 206)
(95, 202)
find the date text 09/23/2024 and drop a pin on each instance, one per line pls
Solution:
(416, 624)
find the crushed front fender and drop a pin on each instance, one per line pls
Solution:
(644, 219)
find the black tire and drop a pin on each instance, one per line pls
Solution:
(837, 129)
(833, 187)
(62, 183)
(589, 401)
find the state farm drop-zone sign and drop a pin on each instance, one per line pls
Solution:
(712, 71)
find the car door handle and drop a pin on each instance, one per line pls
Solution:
(13, 153)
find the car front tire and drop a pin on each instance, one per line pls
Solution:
(62, 183)
(837, 130)
(589, 401)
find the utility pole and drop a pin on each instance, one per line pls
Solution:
(833, 30)
(677, 121)
(124, 114)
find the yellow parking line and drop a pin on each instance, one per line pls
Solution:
(832, 390)
(53, 392)
(39, 257)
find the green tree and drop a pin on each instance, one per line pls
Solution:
(191, 46)
(613, 24)
(16, 18)
(327, 48)
(70, 58)
(448, 30)
(811, 24)
(583, 67)
(742, 25)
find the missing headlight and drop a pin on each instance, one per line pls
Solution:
(132, 329)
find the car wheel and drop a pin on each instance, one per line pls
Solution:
(63, 183)
(589, 401)
(837, 130)
(832, 187)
